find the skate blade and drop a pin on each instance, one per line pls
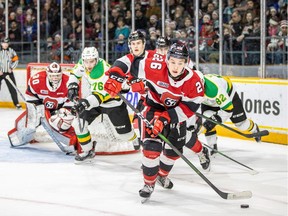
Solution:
(86, 162)
(144, 200)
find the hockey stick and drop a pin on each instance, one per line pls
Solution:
(44, 123)
(252, 135)
(75, 101)
(48, 129)
(224, 195)
(252, 171)
(16, 88)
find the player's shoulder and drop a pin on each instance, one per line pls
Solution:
(65, 78)
(40, 75)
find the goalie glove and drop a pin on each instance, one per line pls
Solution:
(81, 105)
(136, 84)
(73, 91)
(114, 83)
(159, 124)
(209, 125)
(62, 120)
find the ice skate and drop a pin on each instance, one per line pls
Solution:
(214, 150)
(146, 192)
(165, 182)
(85, 157)
(204, 159)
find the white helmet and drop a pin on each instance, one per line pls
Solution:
(54, 74)
(90, 53)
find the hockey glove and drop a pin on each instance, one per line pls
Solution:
(159, 124)
(136, 84)
(73, 91)
(114, 83)
(208, 125)
(82, 105)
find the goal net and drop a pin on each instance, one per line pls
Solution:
(101, 129)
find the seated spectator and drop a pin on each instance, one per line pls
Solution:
(54, 55)
(228, 10)
(111, 30)
(128, 18)
(251, 35)
(122, 28)
(153, 22)
(29, 29)
(141, 21)
(14, 33)
(215, 19)
(121, 46)
(283, 43)
(214, 50)
(151, 41)
(153, 9)
(276, 47)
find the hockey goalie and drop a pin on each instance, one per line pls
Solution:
(46, 105)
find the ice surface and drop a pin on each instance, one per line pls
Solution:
(39, 180)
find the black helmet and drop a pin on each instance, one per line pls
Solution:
(163, 42)
(5, 40)
(178, 50)
(136, 35)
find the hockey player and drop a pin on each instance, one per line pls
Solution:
(221, 103)
(92, 68)
(46, 97)
(174, 94)
(162, 45)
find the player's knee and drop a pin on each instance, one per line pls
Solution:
(244, 125)
(151, 154)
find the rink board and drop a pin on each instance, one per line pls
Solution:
(264, 100)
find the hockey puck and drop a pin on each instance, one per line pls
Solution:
(244, 206)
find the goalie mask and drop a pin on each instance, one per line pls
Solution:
(90, 58)
(54, 75)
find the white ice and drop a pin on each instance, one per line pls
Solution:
(39, 180)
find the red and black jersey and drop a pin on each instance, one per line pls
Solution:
(39, 91)
(130, 63)
(181, 98)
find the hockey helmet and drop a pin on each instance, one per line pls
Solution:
(90, 53)
(178, 50)
(136, 35)
(5, 40)
(54, 74)
(163, 42)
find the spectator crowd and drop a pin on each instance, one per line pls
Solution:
(241, 34)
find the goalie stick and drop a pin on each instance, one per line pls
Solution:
(224, 195)
(43, 121)
(49, 130)
(252, 135)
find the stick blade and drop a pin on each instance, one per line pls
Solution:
(239, 195)
(253, 172)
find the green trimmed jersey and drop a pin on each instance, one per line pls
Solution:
(93, 82)
(218, 92)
